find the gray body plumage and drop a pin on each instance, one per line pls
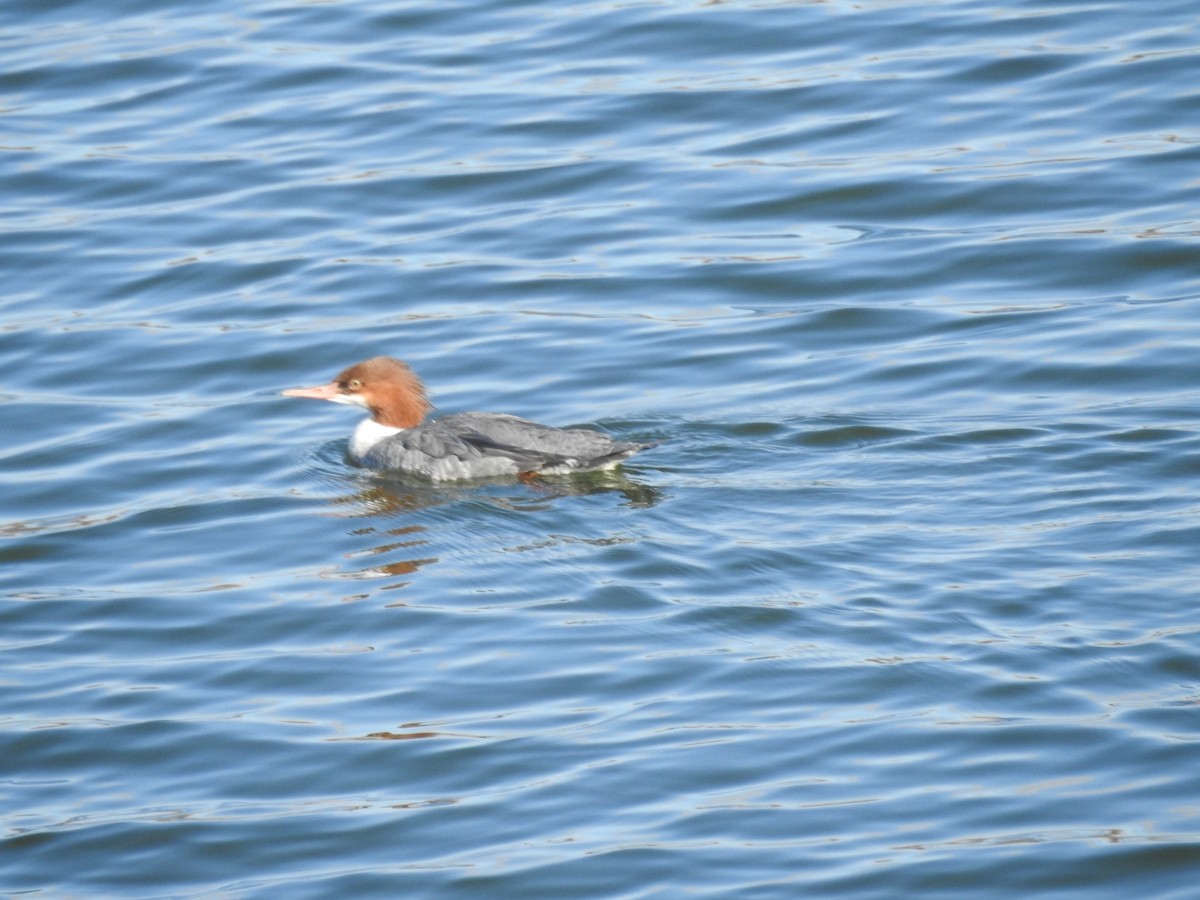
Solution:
(484, 445)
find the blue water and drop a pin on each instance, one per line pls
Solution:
(905, 603)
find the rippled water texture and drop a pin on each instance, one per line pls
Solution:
(903, 606)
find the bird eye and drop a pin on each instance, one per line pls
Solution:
(353, 384)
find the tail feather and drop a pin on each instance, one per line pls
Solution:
(621, 451)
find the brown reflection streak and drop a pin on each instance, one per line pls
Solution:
(405, 735)
(394, 545)
(405, 567)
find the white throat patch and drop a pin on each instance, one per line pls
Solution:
(367, 435)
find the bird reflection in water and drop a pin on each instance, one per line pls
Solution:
(382, 497)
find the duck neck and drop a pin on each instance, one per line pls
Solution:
(367, 435)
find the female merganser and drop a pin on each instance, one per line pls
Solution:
(463, 445)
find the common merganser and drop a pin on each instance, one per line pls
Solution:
(458, 446)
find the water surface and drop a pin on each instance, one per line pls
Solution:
(903, 605)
